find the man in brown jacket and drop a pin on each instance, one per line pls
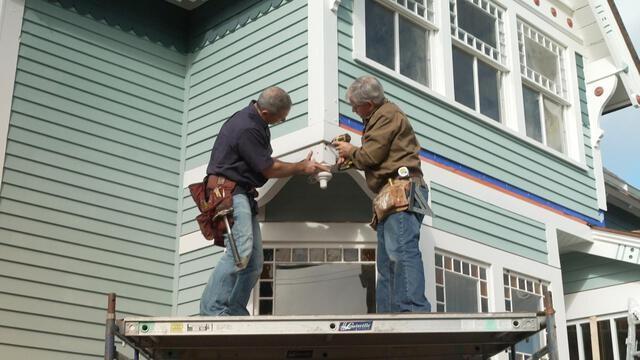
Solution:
(390, 151)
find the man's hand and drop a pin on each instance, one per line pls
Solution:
(311, 167)
(344, 148)
(281, 169)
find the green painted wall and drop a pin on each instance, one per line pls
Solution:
(619, 219)
(227, 74)
(581, 272)
(465, 139)
(477, 220)
(224, 77)
(90, 189)
(195, 269)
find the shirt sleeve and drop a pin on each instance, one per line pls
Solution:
(255, 150)
(376, 143)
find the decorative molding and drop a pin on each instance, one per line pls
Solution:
(335, 4)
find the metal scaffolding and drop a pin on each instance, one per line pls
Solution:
(440, 336)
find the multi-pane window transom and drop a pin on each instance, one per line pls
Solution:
(478, 25)
(541, 60)
(313, 281)
(421, 8)
(524, 294)
(461, 285)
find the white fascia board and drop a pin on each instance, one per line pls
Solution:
(620, 52)
(322, 33)
(611, 245)
(11, 13)
(601, 302)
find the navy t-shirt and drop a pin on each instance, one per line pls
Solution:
(242, 150)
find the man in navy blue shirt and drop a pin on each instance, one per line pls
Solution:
(242, 153)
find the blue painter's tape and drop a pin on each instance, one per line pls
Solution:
(358, 126)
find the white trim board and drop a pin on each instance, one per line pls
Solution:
(11, 13)
(322, 33)
(602, 301)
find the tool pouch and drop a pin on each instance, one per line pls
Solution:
(212, 195)
(391, 199)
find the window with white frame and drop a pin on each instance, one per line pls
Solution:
(317, 281)
(461, 285)
(612, 333)
(524, 294)
(479, 60)
(397, 36)
(544, 89)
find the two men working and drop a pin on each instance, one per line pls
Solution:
(389, 152)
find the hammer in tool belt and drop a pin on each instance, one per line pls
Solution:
(232, 241)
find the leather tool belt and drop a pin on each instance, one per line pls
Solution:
(212, 195)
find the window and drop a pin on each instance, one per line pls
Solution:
(543, 87)
(524, 294)
(397, 36)
(477, 29)
(461, 285)
(315, 281)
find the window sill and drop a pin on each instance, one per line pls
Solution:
(432, 93)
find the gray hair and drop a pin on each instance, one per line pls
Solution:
(274, 100)
(366, 88)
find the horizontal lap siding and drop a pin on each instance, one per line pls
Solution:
(455, 135)
(89, 194)
(582, 272)
(230, 72)
(227, 74)
(223, 78)
(471, 218)
(195, 269)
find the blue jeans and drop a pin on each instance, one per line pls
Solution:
(401, 283)
(229, 287)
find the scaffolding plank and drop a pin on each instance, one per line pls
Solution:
(407, 336)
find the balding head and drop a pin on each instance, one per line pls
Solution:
(274, 100)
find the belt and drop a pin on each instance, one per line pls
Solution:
(414, 176)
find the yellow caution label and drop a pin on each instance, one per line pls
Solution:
(177, 328)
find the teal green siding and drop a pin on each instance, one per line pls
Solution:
(472, 142)
(619, 219)
(225, 75)
(195, 269)
(90, 187)
(582, 272)
(477, 220)
(223, 78)
(228, 73)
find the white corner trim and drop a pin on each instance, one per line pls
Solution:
(322, 33)
(11, 12)
(596, 105)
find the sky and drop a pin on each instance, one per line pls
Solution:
(621, 142)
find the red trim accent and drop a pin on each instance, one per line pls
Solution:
(488, 184)
(537, 2)
(570, 22)
(554, 12)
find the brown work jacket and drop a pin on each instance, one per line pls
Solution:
(388, 143)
